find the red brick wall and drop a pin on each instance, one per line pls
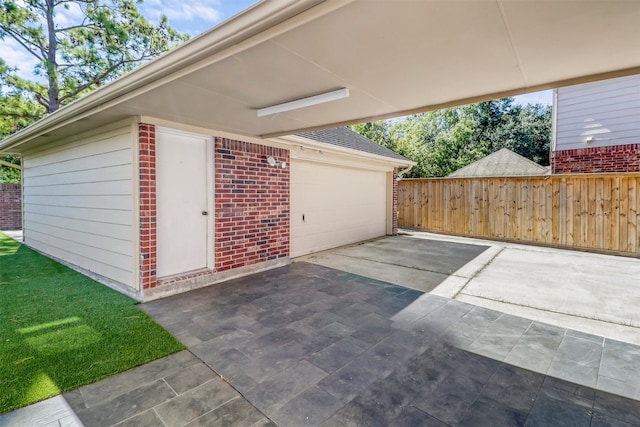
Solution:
(251, 204)
(147, 159)
(616, 158)
(10, 207)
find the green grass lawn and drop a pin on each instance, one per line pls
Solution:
(60, 330)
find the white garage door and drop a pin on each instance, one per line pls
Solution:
(333, 206)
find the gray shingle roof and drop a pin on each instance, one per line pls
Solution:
(503, 162)
(345, 137)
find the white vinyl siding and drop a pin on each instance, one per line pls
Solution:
(608, 111)
(79, 203)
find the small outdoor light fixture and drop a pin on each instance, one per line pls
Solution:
(334, 95)
(274, 162)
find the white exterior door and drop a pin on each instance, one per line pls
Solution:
(333, 206)
(182, 205)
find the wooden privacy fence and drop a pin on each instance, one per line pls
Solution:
(587, 211)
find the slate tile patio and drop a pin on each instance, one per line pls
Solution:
(360, 352)
(308, 345)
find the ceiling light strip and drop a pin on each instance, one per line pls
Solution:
(304, 102)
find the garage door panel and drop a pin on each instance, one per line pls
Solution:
(340, 206)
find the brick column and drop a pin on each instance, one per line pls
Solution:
(147, 169)
(251, 204)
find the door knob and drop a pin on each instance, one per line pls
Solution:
(205, 213)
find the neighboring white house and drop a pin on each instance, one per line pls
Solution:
(596, 127)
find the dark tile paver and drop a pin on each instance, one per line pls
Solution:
(97, 393)
(617, 408)
(558, 409)
(412, 416)
(500, 337)
(619, 368)
(541, 340)
(451, 399)
(195, 403)
(467, 329)
(378, 404)
(310, 408)
(577, 360)
(236, 413)
(272, 394)
(514, 387)
(464, 362)
(271, 364)
(147, 418)
(487, 412)
(114, 410)
(338, 355)
(421, 374)
(347, 382)
(602, 421)
(179, 389)
(189, 378)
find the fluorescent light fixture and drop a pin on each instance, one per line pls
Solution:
(305, 102)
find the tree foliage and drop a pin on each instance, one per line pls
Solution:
(443, 141)
(78, 45)
(9, 174)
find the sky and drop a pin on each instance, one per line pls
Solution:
(188, 16)
(544, 97)
(193, 16)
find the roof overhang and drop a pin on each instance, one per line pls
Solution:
(395, 57)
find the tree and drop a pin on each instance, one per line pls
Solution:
(527, 131)
(443, 141)
(7, 173)
(378, 132)
(17, 109)
(108, 38)
(439, 141)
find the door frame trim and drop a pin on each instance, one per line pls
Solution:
(211, 230)
(209, 171)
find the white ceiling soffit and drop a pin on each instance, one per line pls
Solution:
(395, 58)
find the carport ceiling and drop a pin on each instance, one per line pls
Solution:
(396, 57)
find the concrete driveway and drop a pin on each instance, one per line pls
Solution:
(592, 293)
